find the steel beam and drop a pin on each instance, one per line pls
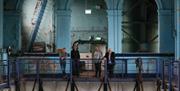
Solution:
(154, 38)
(133, 38)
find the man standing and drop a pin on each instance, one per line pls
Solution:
(110, 61)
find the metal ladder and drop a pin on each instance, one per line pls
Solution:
(36, 20)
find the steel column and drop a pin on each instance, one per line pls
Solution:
(165, 31)
(177, 28)
(115, 30)
(62, 29)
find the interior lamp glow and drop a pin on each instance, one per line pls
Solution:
(87, 11)
(98, 38)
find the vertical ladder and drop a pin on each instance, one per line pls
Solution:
(37, 22)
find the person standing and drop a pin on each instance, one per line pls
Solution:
(63, 56)
(97, 57)
(110, 61)
(75, 57)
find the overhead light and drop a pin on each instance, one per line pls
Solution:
(87, 11)
(98, 38)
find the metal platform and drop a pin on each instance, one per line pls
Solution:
(48, 68)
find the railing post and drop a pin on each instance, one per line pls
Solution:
(126, 67)
(122, 67)
(105, 76)
(163, 79)
(37, 73)
(170, 69)
(17, 69)
(71, 76)
(158, 67)
(8, 79)
(179, 76)
(17, 75)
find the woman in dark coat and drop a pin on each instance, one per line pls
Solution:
(75, 56)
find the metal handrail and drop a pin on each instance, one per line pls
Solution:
(123, 65)
(4, 74)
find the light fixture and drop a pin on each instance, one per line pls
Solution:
(98, 38)
(87, 10)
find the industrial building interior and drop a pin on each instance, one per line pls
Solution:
(50, 45)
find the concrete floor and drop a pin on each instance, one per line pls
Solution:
(86, 86)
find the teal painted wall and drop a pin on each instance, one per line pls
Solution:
(81, 21)
(83, 26)
(166, 26)
(12, 29)
(1, 23)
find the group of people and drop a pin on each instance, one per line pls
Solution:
(109, 59)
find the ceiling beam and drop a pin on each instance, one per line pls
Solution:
(66, 4)
(118, 4)
(18, 3)
(159, 4)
